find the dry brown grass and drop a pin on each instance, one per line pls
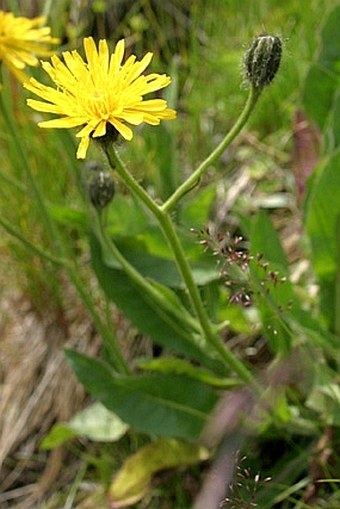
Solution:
(37, 390)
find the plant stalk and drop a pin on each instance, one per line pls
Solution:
(144, 285)
(171, 236)
(194, 178)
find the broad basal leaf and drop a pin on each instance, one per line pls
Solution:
(160, 404)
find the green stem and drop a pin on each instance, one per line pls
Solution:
(35, 249)
(118, 164)
(194, 178)
(182, 263)
(175, 316)
(109, 337)
(211, 336)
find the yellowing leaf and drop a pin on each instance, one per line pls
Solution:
(133, 479)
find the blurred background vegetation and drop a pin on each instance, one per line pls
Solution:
(200, 43)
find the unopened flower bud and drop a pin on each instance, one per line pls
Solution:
(101, 189)
(262, 60)
(99, 185)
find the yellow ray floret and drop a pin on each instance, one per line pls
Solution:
(22, 40)
(98, 91)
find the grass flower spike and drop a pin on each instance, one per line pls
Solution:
(21, 41)
(99, 93)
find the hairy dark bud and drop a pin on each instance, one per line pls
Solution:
(262, 60)
(101, 189)
(100, 185)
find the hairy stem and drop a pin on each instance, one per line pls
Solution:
(175, 315)
(171, 236)
(194, 178)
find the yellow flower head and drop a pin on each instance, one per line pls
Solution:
(21, 41)
(100, 93)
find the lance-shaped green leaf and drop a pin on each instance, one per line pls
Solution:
(322, 224)
(148, 317)
(157, 404)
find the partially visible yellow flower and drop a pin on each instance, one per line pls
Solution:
(100, 92)
(21, 41)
